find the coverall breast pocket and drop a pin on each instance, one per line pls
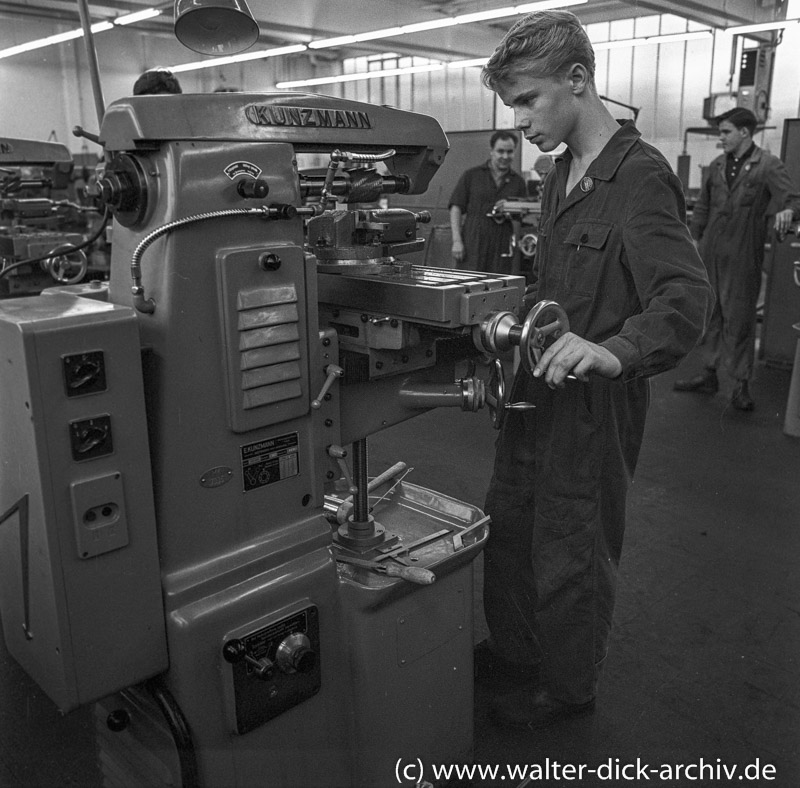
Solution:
(590, 239)
(749, 194)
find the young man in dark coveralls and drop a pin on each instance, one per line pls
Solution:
(729, 221)
(615, 252)
(482, 242)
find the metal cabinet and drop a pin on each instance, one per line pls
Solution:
(782, 303)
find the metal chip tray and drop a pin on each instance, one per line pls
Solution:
(437, 296)
(441, 533)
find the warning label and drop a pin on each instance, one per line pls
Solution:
(268, 461)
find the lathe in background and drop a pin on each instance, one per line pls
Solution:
(46, 218)
(189, 537)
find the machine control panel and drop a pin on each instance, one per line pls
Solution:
(274, 668)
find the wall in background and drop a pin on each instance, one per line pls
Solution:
(48, 91)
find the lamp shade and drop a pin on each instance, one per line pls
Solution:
(215, 27)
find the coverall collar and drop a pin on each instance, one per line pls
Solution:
(603, 168)
(752, 161)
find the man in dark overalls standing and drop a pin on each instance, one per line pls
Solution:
(741, 187)
(615, 252)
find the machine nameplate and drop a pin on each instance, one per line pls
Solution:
(269, 115)
(268, 461)
(263, 643)
(216, 477)
(238, 168)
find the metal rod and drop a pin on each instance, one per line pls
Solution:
(361, 499)
(91, 55)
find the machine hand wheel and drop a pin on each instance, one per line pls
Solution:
(527, 244)
(547, 319)
(496, 395)
(66, 264)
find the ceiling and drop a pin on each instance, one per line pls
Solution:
(298, 22)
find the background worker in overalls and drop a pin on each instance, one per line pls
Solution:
(730, 220)
(482, 242)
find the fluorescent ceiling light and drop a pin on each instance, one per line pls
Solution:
(380, 73)
(138, 16)
(225, 61)
(432, 24)
(481, 61)
(59, 38)
(389, 72)
(476, 61)
(97, 27)
(331, 42)
(667, 38)
(389, 32)
(447, 21)
(386, 33)
(758, 28)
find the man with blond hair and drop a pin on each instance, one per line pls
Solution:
(614, 251)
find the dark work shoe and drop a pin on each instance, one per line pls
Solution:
(532, 710)
(741, 399)
(490, 668)
(706, 383)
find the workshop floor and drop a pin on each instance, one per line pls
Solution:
(704, 656)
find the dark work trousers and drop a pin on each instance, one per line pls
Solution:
(731, 335)
(557, 503)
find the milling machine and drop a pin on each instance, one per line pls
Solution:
(189, 538)
(41, 227)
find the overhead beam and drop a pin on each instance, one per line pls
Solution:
(718, 13)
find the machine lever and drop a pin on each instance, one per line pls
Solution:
(338, 453)
(79, 131)
(236, 651)
(333, 372)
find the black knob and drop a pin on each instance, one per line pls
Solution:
(269, 261)
(118, 720)
(295, 655)
(305, 660)
(234, 650)
(256, 189)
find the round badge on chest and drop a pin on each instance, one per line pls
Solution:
(587, 184)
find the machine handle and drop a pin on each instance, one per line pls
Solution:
(333, 372)
(536, 330)
(79, 131)
(338, 453)
(414, 574)
(67, 264)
